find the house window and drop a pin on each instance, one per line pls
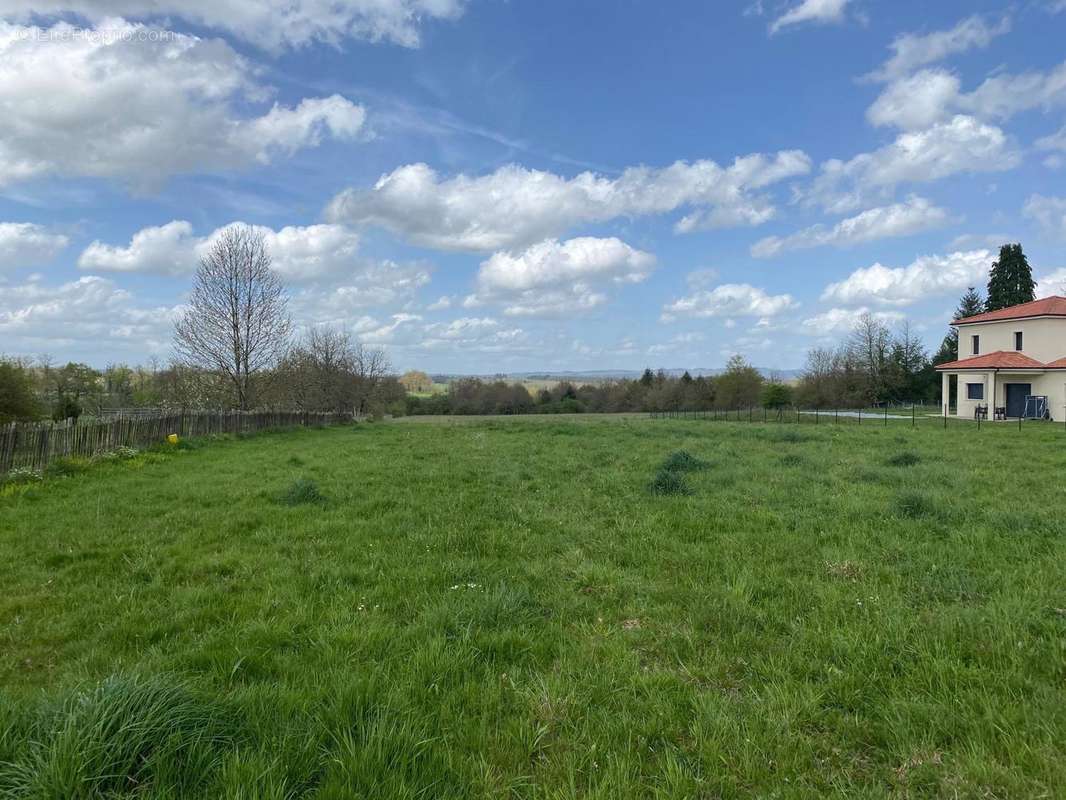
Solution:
(975, 391)
(1017, 340)
(976, 342)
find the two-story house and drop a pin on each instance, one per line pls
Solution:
(1008, 355)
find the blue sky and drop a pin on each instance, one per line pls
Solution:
(489, 186)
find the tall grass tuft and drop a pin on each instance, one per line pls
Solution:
(302, 491)
(914, 505)
(124, 736)
(669, 481)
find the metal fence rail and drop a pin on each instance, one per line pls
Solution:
(35, 445)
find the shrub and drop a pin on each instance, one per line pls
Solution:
(66, 408)
(904, 459)
(301, 492)
(125, 733)
(668, 481)
(914, 505)
(683, 461)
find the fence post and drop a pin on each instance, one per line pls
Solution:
(886, 414)
(912, 415)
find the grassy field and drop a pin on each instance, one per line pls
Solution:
(540, 609)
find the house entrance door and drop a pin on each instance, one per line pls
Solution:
(1016, 394)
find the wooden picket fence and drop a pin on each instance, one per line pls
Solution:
(35, 445)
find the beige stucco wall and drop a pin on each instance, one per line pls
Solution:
(1042, 339)
(1052, 384)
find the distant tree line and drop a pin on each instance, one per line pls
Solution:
(739, 386)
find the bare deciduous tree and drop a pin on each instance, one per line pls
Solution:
(326, 371)
(372, 366)
(237, 322)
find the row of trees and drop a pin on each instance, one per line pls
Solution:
(233, 348)
(874, 365)
(877, 365)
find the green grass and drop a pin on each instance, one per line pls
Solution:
(503, 609)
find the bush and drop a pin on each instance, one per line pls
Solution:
(302, 492)
(124, 734)
(904, 459)
(66, 408)
(668, 481)
(683, 461)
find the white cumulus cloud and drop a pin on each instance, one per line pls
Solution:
(515, 206)
(729, 300)
(899, 219)
(934, 95)
(961, 145)
(553, 277)
(86, 316)
(924, 277)
(299, 253)
(24, 244)
(162, 250)
(116, 105)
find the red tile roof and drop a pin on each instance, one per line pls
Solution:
(1053, 306)
(1000, 359)
(1060, 364)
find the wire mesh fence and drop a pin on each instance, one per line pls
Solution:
(912, 416)
(35, 445)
